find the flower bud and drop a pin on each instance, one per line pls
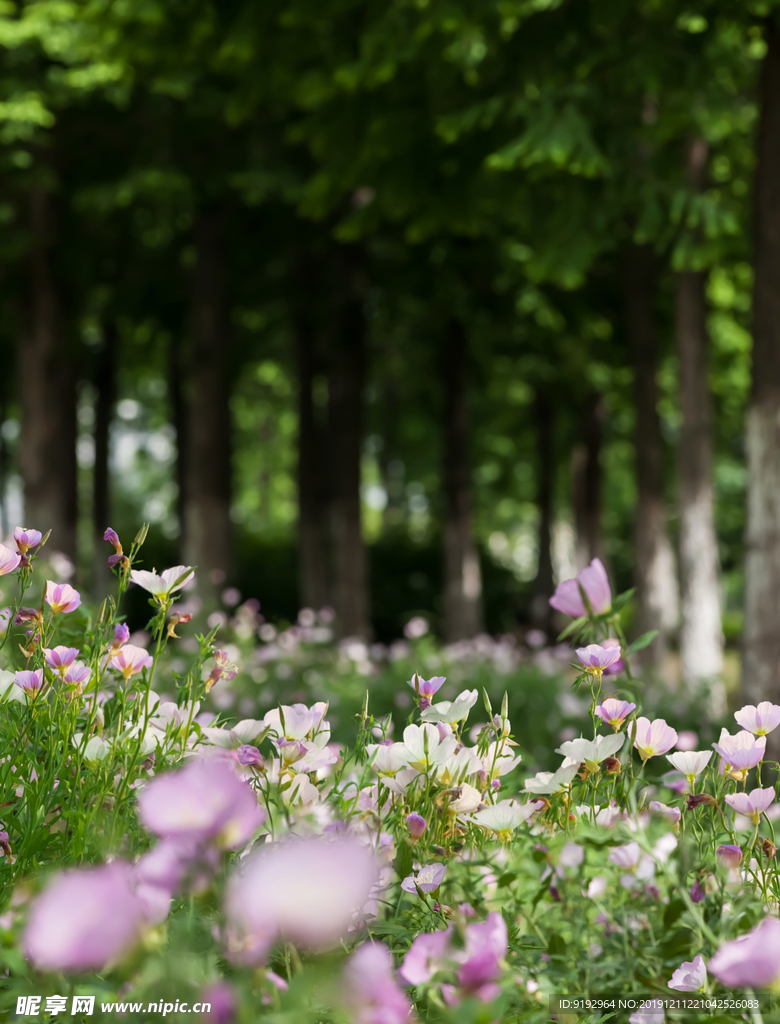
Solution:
(697, 892)
(730, 856)
(416, 825)
(612, 765)
(769, 848)
(701, 799)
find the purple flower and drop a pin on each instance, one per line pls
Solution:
(26, 538)
(729, 855)
(620, 665)
(9, 560)
(690, 976)
(416, 825)
(30, 682)
(426, 688)
(425, 957)
(76, 675)
(614, 712)
(59, 659)
(303, 890)
(249, 755)
(121, 636)
(593, 580)
(84, 920)
(486, 944)
(204, 801)
(113, 538)
(752, 960)
(372, 993)
(61, 597)
(697, 892)
(427, 879)
(221, 1000)
(596, 658)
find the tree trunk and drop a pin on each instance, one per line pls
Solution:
(462, 574)
(701, 636)
(313, 505)
(761, 666)
(541, 613)
(48, 394)
(587, 474)
(345, 420)
(655, 576)
(178, 413)
(207, 487)
(105, 386)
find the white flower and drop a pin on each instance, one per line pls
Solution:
(468, 801)
(592, 752)
(425, 748)
(571, 856)
(386, 758)
(242, 732)
(690, 762)
(451, 711)
(9, 690)
(626, 856)
(546, 783)
(498, 760)
(162, 586)
(504, 817)
(690, 976)
(299, 722)
(95, 750)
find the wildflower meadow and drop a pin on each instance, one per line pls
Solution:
(162, 860)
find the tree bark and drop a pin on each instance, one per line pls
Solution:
(178, 413)
(655, 575)
(761, 665)
(701, 636)
(541, 612)
(462, 574)
(313, 504)
(587, 474)
(345, 421)
(48, 393)
(208, 531)
(105, 386)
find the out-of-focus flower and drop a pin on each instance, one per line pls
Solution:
(614, 712)
(547, 783)
(504, 817)
(596, 887)
(61, 597)
(9, 690)
(223, 669)
(130, 660)
(650, 1012)
(741, 752)
(416, 825)
(729, 855)
(243, 732)
(571, 856)
(416, 627)
(28, 615)
(26, 539)
(486, 944)
(653, 738)
(618, 666)
(595, 584)
(427, 879)
(222, 1003)
(752, 960)
(59, 659)
(426, 955)
(673, 814)
(304, 890)
(180, 618)
(9, 560)
(204, 801)
(426, 688)
(626, 856)
(697, 892)
(759, 720)
(30, 682)
(162, 586)
(592, 752)
(450, 712)
(751, 804)
(690, 762)
(687, 740)
(596, 658)
(84, 920)
(371, 991)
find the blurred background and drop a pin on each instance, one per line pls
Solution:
(403, 310)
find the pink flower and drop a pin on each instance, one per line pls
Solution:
(751, 804)
(614, 712)
(204, 801)
(425, 957)
(752, 960)
(729, 855)
(59, 659)
(426, 688)
(30, 682)
(62, 597)
(26, 538)
(76, 675)
(84, 920)
(759, 720)
(687, 740)
(303, 890)
(427, 879)
(653, 738)
(372, 993)
(619, 665)
(486, 944)
(130, 659)
(672, 814)
(222, 1003)
(9, 560)
(249, 755)
(596, 658)
(740, 752)
(593, 580)
(690, 976)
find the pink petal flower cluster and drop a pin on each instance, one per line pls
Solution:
(373, 997)
(595, 585)
(307, 891)
(61, 597)
(752, 960)
(205, 802)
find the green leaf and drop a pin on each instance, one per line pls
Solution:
(573, 627)
(642, 641)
